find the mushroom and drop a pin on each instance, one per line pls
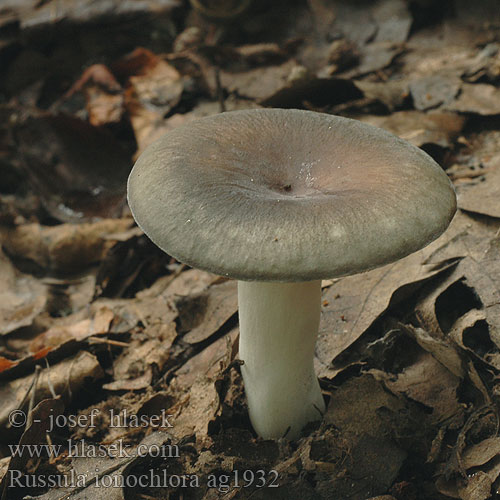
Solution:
(279, 200)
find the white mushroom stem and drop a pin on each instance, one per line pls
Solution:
(278, 329)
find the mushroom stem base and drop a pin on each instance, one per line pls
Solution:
(278, 329)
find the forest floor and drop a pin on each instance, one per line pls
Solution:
(120, 361)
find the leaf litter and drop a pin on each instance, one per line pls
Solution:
(95, 320)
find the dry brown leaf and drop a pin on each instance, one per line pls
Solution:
(66, 378)
(4, 467)
(189, 282)
(29, 13)
(98, 323)
(22, 297)
(154, 88)
(479, 482)
(220, 304)
(79, 171)
(485, 65)
(98, 470)
(483, 197)
(259, 83)
(357, 410)
(193, 414)
(103, 95)
(133, 368)
(34, 434)
(478, 487)
(430, 383)
(440, 128)
(391, 93)
(479, 98)
(63, 248)
(207, 362)
(480, 453)
(433, 90)
(466, 236)
(374, 57)
(353, 303)
(393, 20)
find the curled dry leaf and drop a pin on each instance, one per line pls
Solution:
(154, 88)
(481, 453)
(103, 95)
(482, 461)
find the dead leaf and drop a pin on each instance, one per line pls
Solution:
(479, 98)
(206, 363)
(66, 248)
(133, 369)
(194, 413)
(483, 197)
(66, 377)
(103, 95)
(315, 92)
(353, 303)
(432, 91)
(391, 94)
(373, 459)
(419, 128)
(30, 14)
(220, 305)
(98, 323)
(4, 467)
(154, 88)
(259, 83)
(481, 453)
(486, 65)
(96, 472)
(374, 57)
(22, 297)
(68, 164)
(35, 434)
(430, 383)
(478, 487)
(393, 20)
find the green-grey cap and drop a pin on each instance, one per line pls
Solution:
(287, 195)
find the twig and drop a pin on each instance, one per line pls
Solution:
(29, 419)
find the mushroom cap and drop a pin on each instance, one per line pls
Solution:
(287, 195)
